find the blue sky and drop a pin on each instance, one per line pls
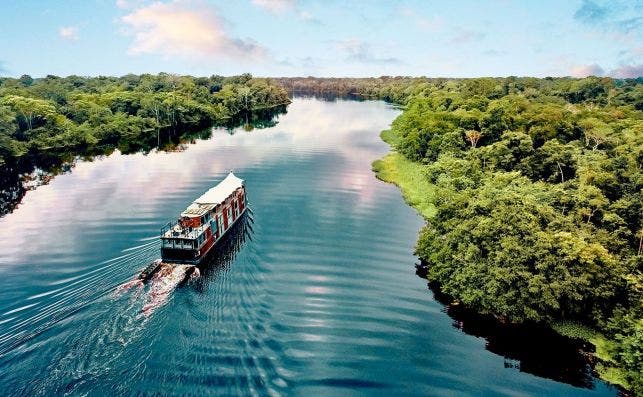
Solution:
(323, 38)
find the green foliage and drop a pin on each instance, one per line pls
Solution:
(501, 247)
(54, 115)
(537, 186)
(575, 330)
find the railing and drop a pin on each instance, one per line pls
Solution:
(167, 227)
(179, 244)
(178, 231)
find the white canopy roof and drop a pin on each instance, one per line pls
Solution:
(221, 191)
(195, 210)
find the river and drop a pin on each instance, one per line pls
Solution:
(315, 295)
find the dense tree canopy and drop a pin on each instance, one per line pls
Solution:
(539, 199)
(74, 114)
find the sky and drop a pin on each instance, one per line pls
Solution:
(326, 38)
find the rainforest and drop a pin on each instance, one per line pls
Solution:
(54, 115)
(47, 123)
(536, 188)
(531, 188)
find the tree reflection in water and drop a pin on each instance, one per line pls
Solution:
(33, 171)
(531, 348)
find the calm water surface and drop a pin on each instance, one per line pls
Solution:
(316, 296)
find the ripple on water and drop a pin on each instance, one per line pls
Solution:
(317, 295)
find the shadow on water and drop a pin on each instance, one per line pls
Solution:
(225, 251)
(532, 348)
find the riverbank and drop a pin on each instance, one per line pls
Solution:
(80, 115)
(407, 175)
(418, 192)
(604, 351)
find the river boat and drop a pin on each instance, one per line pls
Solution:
(190, 238)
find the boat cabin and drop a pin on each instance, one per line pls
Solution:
(204, 222)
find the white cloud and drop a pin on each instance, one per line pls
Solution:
(627, 71)
(357, 50)
(464, 36)
(306, 16)
(127, 4)
(68, 33)
(275, 6)
(185, 29)
(587, 70)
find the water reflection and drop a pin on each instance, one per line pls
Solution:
(224, 252)
(33, 171)
(316, 297)
(327, 96)
(530, 348)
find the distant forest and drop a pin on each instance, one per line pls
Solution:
(536, 186)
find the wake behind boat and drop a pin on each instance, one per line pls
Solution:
(186, 242)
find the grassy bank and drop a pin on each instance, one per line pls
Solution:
(408, 176)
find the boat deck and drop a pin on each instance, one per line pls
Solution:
(174, 230)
